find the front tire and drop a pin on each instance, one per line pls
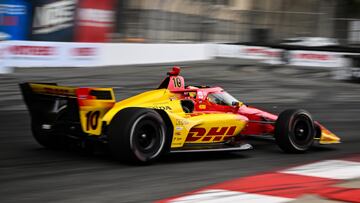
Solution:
(137, 135)
(294, 131)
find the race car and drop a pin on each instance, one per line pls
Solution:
(171, 118)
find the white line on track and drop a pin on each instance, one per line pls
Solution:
(332, 169)
(226, 196)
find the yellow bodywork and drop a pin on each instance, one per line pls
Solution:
(328, 137)
(182, 122)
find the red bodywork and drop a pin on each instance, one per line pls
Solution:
(260, 122)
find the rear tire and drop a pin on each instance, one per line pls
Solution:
(137, 135)
(294, 131)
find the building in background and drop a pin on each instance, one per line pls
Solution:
(347, 21)
(236, 20)
(182, 21)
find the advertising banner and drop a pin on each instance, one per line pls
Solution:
(94, 20)
(33, 54)
(83, 54)
(15, 18)
(260, 53)
(49, 54)
(263, 54)
(53, 20)
(316, 58)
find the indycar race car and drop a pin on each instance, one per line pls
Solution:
(171, 118)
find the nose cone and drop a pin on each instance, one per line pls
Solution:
(328, 137)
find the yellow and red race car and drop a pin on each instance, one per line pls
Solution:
(170, 118)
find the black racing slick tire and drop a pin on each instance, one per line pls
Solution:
(294, 131)
(137, 135)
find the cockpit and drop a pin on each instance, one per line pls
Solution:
(200, 98)
(222, 98)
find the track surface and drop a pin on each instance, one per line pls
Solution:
(31, 173)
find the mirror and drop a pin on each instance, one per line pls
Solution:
(235, 104)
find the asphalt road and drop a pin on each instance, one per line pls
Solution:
(30, 173)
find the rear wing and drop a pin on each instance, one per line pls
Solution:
(51, 104)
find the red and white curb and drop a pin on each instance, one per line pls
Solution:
(319, 178)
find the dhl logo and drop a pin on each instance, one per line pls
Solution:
(215, 134)
(56, 91)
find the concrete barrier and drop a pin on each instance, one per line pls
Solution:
(270, 55)
(68, 54)
(61, 54)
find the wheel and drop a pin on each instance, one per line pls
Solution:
(137, 135)
(294, 130)
(46, 138)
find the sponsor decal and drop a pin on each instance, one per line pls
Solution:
(313, 56)
(56, 91)
(214, 134)
(12, 9)
(53, 17)
(182, 122)
(176, 144)
(32, 50)
(53, 20)
(94, 20)
(316, 58)
(84, 51)
(167, 108)
(9, 14)
(202, 106)
(95, 17)
(179, 128)
(15, 19)
(38, 88)
(200, 95)
(262, 51)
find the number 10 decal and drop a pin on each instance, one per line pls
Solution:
(92, 118)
